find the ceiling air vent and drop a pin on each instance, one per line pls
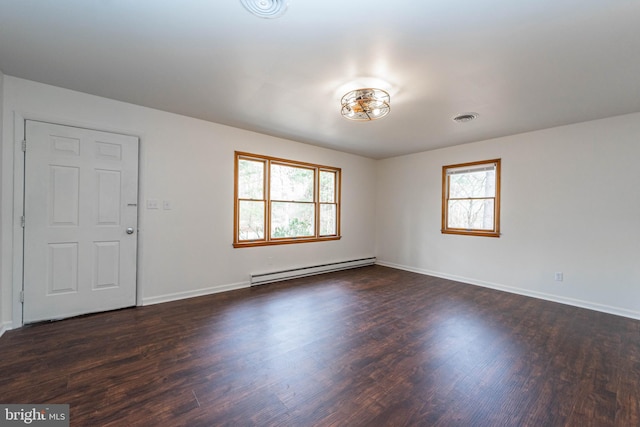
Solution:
(266, 8)
(465, 117)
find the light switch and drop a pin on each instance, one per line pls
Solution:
(166, 205)
(152, 204)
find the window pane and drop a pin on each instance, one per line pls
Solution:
(328, 220)
(327, 187)
(250, 179)
(291, 183)
(292, 219)
(473, 184)
(471, 214)
(251, 220)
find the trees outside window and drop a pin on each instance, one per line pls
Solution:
(471, 198)
(283, 201)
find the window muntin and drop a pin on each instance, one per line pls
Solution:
(327, 186)
(250, 199)
(471, 198)
(328, 222)
(328, 203)
(291, 183)
(283, 201)
(292, 219)
(251, 179)
(251, 220)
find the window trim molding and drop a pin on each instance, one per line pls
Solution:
(267, 240)
(445, 198)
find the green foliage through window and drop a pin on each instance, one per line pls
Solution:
(283, 201)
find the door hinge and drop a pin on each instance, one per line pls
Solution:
(22, 221)
(22, 296)
(24, 145)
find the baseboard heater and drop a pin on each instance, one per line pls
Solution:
(276, 276)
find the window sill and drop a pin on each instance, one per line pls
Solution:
(250, 244)
(472, 233)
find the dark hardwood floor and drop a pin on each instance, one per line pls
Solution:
(366, 347)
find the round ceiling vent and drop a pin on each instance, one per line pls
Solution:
(266, 8)
(465, 117)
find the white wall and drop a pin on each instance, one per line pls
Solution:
(570, 203)
(3, 324)
(187, 250)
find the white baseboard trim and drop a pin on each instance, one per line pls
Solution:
(4, 327)
(519, 291)
(197, 293)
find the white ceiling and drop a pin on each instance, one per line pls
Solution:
(521, 65)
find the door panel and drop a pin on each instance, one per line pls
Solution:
(107, 265)
(62, 268)
(81, 191)
(64, 189)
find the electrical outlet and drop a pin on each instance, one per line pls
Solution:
(559, 276)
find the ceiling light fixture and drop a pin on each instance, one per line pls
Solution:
(365, 104)
(266, 8)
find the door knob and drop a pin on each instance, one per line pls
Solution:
(130, 230)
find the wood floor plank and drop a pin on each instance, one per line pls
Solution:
(372, 346)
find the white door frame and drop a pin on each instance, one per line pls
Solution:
(19, 121)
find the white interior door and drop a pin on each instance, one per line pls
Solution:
(80, 240)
